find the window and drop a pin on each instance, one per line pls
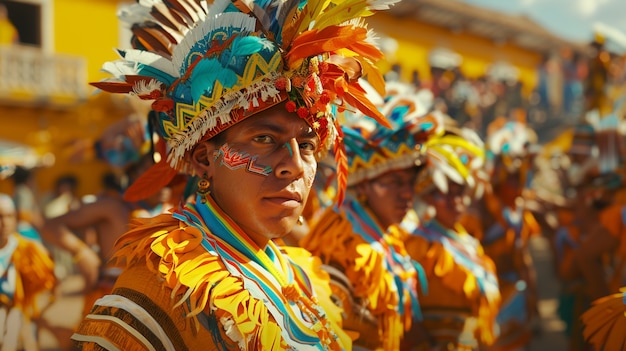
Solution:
(33, 21)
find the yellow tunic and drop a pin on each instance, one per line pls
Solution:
(176, 294)
(364, 287)
(463, 299)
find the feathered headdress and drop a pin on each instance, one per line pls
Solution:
(451, 155)
(208, 65)
(374, 149)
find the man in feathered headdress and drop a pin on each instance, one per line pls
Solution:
(244, 92)
(372, 275)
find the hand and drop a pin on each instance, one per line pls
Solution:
(88, 263)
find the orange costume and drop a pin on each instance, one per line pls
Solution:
(462, 302)
(505, 240)
(26, 272)
(463, 297)
(373, 277)
(504, 228)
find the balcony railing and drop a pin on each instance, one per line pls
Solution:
(27, 75)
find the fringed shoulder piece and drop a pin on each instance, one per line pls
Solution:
(320, 280)
(332, 239)
(36, 275)
(173, 249)
(458, 261)
(605, 322)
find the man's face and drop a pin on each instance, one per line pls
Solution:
(262, 170)
(448, 206)
(390, 196)
(8, 218)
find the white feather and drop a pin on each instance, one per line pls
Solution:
(119, 68)
(151, 59)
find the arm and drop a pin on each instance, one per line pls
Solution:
(59, 231)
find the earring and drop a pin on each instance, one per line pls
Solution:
(203, 187)
(300, 220)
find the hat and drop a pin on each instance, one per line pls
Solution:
(209, 65)
(455, 155)
(374, 149)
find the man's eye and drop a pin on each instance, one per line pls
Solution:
(308, 146)
(264, 139)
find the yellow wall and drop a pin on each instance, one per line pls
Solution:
(87, 28)
(82, 28)
(416, 40)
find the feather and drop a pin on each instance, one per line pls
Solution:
(605, 322)
(153, 180)
(184, 9)
(152, 40)
(119, 68)
(168, 18)
(343, 11)
(342, 165)
(156, 61)
(252, 8)
(311, 12)
(248, 45)
(355, 96)
(285, 12)
(451, 164)
(134, 13)
(291, 26)
(206, 73)
(113, 87)
(314, 42)
(372, 74)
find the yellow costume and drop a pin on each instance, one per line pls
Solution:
(463, 297)
(462, 302)
(199, 292)
(373, 288)
(374, 279)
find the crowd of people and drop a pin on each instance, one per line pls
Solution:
(281, 194)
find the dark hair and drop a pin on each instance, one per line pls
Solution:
(68, 179)
(110, 182)
(21, 175)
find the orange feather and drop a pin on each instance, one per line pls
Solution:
(341, 160)
(153, 180)
(355, 96)
(314, 42)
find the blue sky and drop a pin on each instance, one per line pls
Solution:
(571, 19)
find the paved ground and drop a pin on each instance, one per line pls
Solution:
(64, 314)
(550, 332)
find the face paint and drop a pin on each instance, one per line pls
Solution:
(234, 160)
(288, 146)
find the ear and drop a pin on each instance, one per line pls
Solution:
(202, 158)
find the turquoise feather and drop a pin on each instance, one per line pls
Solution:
(206, 73)
(145, 70)
(243, 46)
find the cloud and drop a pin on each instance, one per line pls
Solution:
(588, 8)
(527, 3)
